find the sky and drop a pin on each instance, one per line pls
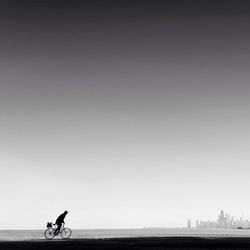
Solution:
(130, 114)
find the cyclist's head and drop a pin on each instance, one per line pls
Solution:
(65, 211)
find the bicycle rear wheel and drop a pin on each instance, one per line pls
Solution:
(49, 233)
(66, 233)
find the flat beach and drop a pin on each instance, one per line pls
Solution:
(132, 243)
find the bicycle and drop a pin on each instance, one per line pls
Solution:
(64, 232)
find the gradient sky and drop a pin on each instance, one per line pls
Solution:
(134, 114)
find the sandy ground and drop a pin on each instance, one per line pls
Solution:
(131, 243)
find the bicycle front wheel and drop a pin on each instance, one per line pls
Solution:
(66, 233)
(49, 233)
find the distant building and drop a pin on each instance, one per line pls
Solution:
(189, 224)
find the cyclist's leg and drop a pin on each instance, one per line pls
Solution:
(58, 228)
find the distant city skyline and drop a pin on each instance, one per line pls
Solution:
(128, 114)
(224, 221)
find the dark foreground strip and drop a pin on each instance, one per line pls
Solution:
(154, 243)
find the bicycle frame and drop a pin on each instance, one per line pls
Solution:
(62, 227)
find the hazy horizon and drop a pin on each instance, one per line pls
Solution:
(127, 115)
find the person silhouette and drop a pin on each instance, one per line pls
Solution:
(60, 221)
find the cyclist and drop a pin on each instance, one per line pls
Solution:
(60, 221)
